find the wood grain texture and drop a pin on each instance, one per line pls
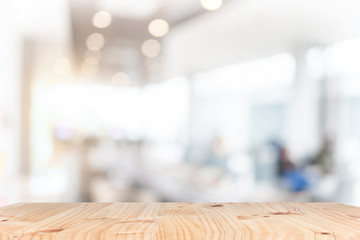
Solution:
(173, 221)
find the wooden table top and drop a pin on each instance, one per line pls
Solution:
(170, 221)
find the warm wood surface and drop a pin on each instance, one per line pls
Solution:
(169, 221)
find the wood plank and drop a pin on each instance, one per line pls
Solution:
(173, 221)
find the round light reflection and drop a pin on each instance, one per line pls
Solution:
(121, 79)
(95, 41)
(211, 5)
(158, 28)
(151, 48)
(102, 19)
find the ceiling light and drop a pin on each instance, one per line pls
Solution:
(151, 48)
(158, 28)
(211, 5)
(121, 79)
(102, 19)
(95, 41)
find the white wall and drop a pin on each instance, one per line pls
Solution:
(10, 60)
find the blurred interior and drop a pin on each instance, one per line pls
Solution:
(192, 100)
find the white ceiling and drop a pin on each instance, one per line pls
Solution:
(198, 40)
(249, 29)
(134, 9)
(171, 10)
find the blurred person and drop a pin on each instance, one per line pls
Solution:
(324, 158)
(292, 177)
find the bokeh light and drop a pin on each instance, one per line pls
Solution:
(90, 66)
(120, 79)
(151, 48)
(102, 19)
(211, 5)
(95, 41)
(158, 27)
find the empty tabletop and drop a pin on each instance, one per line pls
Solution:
(170, 221)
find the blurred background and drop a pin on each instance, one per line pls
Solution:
(192, 100)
